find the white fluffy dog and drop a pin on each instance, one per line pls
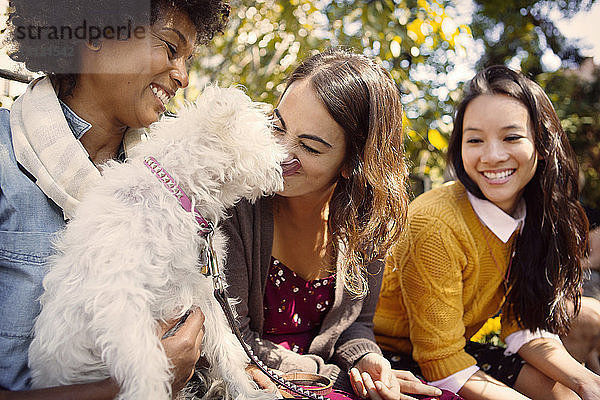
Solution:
(129, 257)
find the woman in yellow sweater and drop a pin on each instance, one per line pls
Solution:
(509, 235)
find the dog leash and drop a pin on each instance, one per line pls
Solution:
(319, 394)
(210, 267)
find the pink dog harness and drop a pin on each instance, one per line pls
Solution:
(167, 180)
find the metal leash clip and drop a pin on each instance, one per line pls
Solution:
(211, 267)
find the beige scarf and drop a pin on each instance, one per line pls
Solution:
(45, 146)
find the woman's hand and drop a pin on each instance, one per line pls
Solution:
(183, 348)
(373, 377)
(590, 393)
(262, 380)
(590, 388)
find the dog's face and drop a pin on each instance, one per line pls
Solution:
(229, 145)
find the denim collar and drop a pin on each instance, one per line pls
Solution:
(78, 125)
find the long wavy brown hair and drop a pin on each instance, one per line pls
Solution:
(368, 208)
(546, 273)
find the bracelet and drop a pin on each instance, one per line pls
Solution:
(314, 383)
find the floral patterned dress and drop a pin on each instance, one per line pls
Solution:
(295, 308)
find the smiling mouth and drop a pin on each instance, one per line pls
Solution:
(498, 177)
(290, 167)
(160, 94)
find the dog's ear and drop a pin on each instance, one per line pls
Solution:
(256, 156)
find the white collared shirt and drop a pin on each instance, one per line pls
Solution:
(503, 226)
(500, 223)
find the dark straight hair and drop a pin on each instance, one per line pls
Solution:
(546, 276)
(368, 207)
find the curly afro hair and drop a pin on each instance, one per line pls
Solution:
(209, 16)
(46, 34)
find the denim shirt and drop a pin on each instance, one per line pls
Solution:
(28, 220)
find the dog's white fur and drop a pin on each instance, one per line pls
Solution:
(129, 256)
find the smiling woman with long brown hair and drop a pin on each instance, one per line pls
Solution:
(306, 263)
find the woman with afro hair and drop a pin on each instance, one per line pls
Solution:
(109, 68)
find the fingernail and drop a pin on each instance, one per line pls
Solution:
(360, 389)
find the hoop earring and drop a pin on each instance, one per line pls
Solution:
(94, 44)
(346, 173)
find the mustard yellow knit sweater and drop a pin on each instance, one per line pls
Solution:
(441, 283)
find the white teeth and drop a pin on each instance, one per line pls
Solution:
(162, 96)
(498, 175)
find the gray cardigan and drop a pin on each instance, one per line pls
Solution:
(347, 330)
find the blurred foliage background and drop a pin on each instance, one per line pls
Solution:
(427, 46)
(421, 42)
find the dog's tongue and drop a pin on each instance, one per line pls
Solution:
(290, 166)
